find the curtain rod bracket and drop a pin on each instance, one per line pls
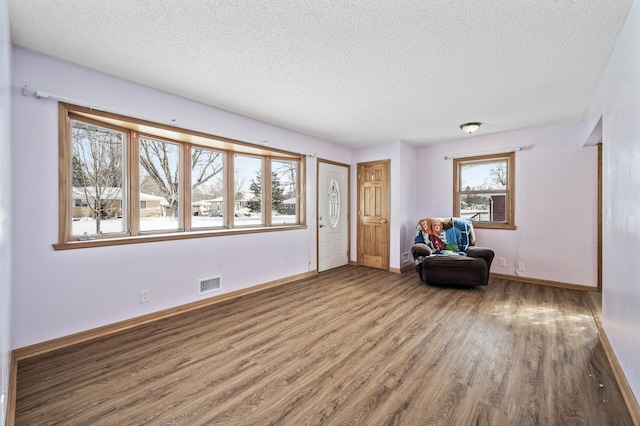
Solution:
(498, 151)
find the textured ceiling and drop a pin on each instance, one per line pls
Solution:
(357, 72)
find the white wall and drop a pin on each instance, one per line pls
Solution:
(63, 292)
(617, 102)
(404, 213)
(5, 207)
(555, 204)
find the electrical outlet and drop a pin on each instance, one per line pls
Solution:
(145, 295)
(405, 257)
(279, 266)
(521, 267)
(502, 262)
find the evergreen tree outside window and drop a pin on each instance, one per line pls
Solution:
(284, 192)
(249, 197)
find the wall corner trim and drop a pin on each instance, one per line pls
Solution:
(13, 389)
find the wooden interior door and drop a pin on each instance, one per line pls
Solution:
(373, 214)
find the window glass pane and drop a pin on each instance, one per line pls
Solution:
(284, 192)
(247, 188)
(98, 180)
(207, 188)
(484, 207)
(485, 192)
(159, 185)
(483, 176)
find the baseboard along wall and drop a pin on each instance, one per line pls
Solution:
(621, 379)
(542, 282)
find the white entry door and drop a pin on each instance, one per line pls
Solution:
(333, 213)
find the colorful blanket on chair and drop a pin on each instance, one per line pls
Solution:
(445, 235)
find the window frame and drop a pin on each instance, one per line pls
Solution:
(225, 164)
(186, 139)
(271, 170)
(509, 191)
(124, 207)
(265, 220)
(184, 217)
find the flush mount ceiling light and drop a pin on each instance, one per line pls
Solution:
(470, 127)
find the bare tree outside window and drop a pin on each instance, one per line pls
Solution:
(484, 190)
(97, 157)
(239, 184)
(207, 188)
(205, 166)
(160, 164)
(497, 178)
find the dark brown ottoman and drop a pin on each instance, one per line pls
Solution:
(471, 270)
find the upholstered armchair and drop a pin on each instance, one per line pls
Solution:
(445, 253)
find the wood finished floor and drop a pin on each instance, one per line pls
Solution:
(351, 346)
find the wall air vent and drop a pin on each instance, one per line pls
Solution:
(208, 285)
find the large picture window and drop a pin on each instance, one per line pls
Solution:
(124, 180)
(484, 190)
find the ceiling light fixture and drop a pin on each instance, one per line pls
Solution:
(470, 127)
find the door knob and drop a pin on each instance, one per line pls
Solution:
(383, 221)
(321, 226)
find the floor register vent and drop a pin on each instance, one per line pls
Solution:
(208, 285)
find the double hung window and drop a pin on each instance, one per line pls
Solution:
(484, 190)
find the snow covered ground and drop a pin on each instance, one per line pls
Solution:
(114, 226)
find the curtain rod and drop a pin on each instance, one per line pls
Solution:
(495, 151)
(41, 94)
